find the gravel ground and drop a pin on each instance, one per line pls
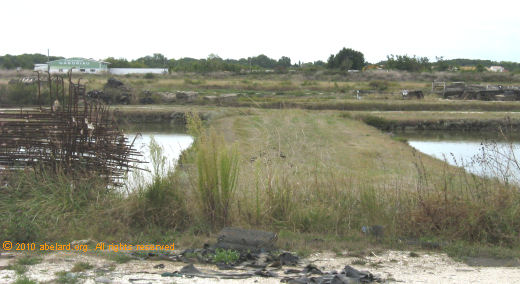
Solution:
(391, 265)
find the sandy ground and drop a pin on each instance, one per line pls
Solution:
(396, 266)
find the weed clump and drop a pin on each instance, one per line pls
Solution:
(217, 173)
(226, 256)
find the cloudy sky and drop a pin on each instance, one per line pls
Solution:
(302, 30)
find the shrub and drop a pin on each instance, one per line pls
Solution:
(217, 168)
(22, 94)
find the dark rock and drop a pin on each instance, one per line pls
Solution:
(159, 266)
(287, 258)
(114, 83)
(171, 274)
(299, 280)
(363, 276)
(265, 273)
(189, 269)
(312, 269)
(341, 279)
(246, 240)
(276, 264)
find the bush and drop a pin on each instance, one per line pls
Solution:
(149, 76)
(22, 94)
(3, 94)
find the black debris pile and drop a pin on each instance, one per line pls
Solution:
(114, 92)
(147, 98)
(260, 259)
(346, 276)
(255, 254)
(114, 83)
(309, 275)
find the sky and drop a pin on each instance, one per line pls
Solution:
(302, 30)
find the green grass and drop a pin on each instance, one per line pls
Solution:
(119, 257)
(24, 280)
(226, 256)
(64, 277)
(29, 260)
(18, 268)
(359, 262)
(81, 266)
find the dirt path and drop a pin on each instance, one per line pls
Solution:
(396, 266)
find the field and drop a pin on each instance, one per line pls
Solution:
(296, 155)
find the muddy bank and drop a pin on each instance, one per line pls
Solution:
(442, 124)
(154, 116)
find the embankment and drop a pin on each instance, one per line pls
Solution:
(450, 124)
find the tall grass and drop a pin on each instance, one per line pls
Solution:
(161, 202)
(217, 173)
(293, 174)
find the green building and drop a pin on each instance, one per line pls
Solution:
(77, 64)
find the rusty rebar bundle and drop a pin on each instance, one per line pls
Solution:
(72, 134)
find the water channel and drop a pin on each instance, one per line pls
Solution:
(485, 154)
(172, 140)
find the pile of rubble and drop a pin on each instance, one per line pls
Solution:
(258, 256)
(114, 92)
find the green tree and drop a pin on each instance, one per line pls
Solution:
(441, 64)
(407, 63)
(263, 61)
(346, 59)
(284, 61)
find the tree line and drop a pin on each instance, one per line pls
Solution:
(25, 61)
(346, 59)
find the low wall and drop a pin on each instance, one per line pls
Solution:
(124, 71)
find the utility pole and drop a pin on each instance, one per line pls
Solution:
(48, 60)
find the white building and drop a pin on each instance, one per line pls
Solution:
(496, 69)
(124, 71)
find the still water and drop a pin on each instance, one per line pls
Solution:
(482, 154)
(172, 140)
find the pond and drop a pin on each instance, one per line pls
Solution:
(485, 154)
(172, 140)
